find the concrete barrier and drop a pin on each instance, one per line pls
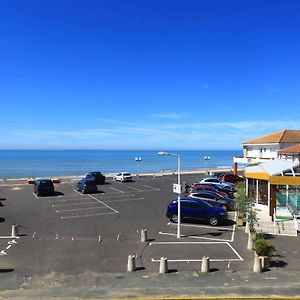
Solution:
(163, 265)
(131, 263)
(14, 231)
(257, 264)
(205, 264)
(144, 237)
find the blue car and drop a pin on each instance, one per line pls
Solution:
(192, 208)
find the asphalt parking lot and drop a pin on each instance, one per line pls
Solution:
(71, 233)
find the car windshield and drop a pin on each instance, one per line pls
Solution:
(126, 174)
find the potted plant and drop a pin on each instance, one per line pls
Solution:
(264, 249)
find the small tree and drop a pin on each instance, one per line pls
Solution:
(251, 215)
(242, 200)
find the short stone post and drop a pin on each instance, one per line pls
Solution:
(205, 264)
(163, 265)
(131, 263)
(247, 230)
(144, 235)
(14, 231)
(250, 243)
(257, 264)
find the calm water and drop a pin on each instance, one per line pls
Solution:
(36, 163)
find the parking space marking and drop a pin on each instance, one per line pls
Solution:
(152, 188)
(123, 200)
(84, 216)
(201, 226)
(103, 203)
(35, 195)
(80, 209)
(115, 196)
(132, 188)
(70, 204)
(65, 200)
(195, 237)
(117, 190)
(199, 243)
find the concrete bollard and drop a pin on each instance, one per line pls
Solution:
(144, 235)
(205, 264)
(247, 230)
(131, 263)
(257, 264)
(14, 231)
(163, 265)
(250, 243)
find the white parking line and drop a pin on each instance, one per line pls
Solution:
(104, 204)
(70, 204)
(117, 190)
(35, 195)
(132, 188)
(201, 226)
(80, 209)
(196, 237)
(116, 196)
(84, 216)
(151, 187)
(199, 243)
(124, 200)
(66, 200)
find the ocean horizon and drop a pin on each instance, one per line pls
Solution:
(50, 163)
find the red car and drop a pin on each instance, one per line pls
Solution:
(230, 177)
(200, 186)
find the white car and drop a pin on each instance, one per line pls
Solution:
(123, 176)
(215, 180)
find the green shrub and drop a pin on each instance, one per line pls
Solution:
(263, 247)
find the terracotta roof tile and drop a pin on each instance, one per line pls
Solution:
(284, 136)
(292, 149)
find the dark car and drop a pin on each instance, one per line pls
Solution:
(98, 177)
(230, 177)
(192, 208)
(213, 198)
(86, 186)
(43, 187)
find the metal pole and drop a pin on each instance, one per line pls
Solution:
(178, 199)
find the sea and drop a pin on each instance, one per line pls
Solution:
(60, 163)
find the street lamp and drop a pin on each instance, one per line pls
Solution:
(138, 161)
(176, 188)
(206, 158)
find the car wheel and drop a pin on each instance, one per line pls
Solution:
(82, 191)
(174, 218)
(213, 221)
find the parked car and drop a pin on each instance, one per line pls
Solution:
(98, 177)
(230, 177)
(220, 188)
(43, 187)
(206, 187)
(192, 208)
(86, 186)
(215, 180)
(213, 198)
(123, 176)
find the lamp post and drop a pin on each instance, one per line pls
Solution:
(206, 159)
(176, 188)
(138, 161)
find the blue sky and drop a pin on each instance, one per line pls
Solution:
(156, 74)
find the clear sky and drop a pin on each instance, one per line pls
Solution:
(156, 74)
